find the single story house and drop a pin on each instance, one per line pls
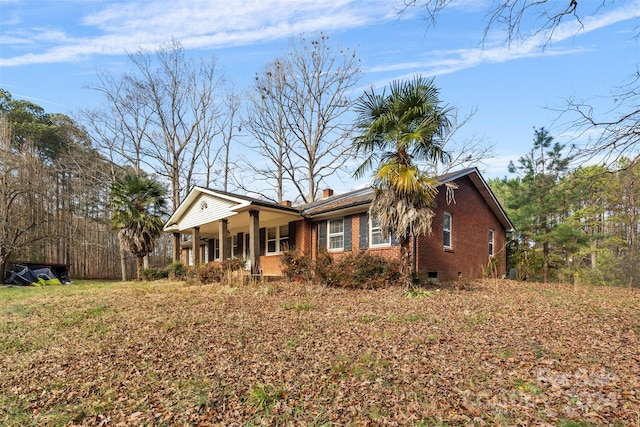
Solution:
(467, 231)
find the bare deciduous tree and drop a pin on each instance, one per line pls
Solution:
(119, 127)
(611, 135)
(20, 192)
(163, 114)
(228, 122)
(297, 115)
(266, 122)
(514, 16)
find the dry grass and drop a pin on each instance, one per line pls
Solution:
(493, 353)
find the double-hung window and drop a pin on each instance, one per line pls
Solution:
(335, 241)
(446, 230)
(376, 237)
(216, 249)
(277, 239)
(234, 246)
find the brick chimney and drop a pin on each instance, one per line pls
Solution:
(327, 192)
(286, 203)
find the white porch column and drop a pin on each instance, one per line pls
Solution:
(195, 245)
(177, 252)
(254, 241)
(225, 248)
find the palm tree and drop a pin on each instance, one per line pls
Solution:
(138, 204)
(397, 132)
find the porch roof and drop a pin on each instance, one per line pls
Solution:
(203, 207)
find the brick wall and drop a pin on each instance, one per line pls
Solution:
(471, 220)
(389, 252)
(270, 265)
(304, 239)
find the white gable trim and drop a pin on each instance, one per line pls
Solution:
(202, 206)
(204, 209)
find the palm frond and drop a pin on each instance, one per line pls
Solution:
(139, 206)
(398, 129)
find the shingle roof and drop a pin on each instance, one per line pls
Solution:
(341, 201)
(362, 196)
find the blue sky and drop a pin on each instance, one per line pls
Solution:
(50, 51)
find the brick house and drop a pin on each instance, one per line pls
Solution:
(467, 230)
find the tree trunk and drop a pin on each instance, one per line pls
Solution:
(139, 266)
(123, 265)
(3, 270)
(633, 230)
(406, 272)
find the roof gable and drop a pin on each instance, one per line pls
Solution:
(206, 208)
(204, 205)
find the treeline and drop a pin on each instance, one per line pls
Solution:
(576, 225)
(54, 193)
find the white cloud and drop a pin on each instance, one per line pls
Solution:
(124, 27)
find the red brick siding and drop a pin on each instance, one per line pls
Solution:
(304, 238)
(389, 252)
(471, 220)
(270, 265)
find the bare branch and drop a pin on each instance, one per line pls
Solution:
(297, 115)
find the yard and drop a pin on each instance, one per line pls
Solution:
(161, 353)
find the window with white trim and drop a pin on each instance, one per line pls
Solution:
(204, 253)
(216, 249)
(234, 246)
(491, 241)
(277, 239)
(335, 231)
(446, 230)
(375, 234)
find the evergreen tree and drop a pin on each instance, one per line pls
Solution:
(538, 202)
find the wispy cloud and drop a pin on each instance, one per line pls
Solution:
(546, 43)
(125, 27)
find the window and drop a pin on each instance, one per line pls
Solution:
(234, 246)
(446, 230)
(204, 253)
(491, 233)
(277, 239)
(336, 234)
(272, 240)
(375, 237)
(284, 237)
(216, 250)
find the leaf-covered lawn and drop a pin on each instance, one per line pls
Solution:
(161, 353)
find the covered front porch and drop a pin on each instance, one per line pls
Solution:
(211, 226)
